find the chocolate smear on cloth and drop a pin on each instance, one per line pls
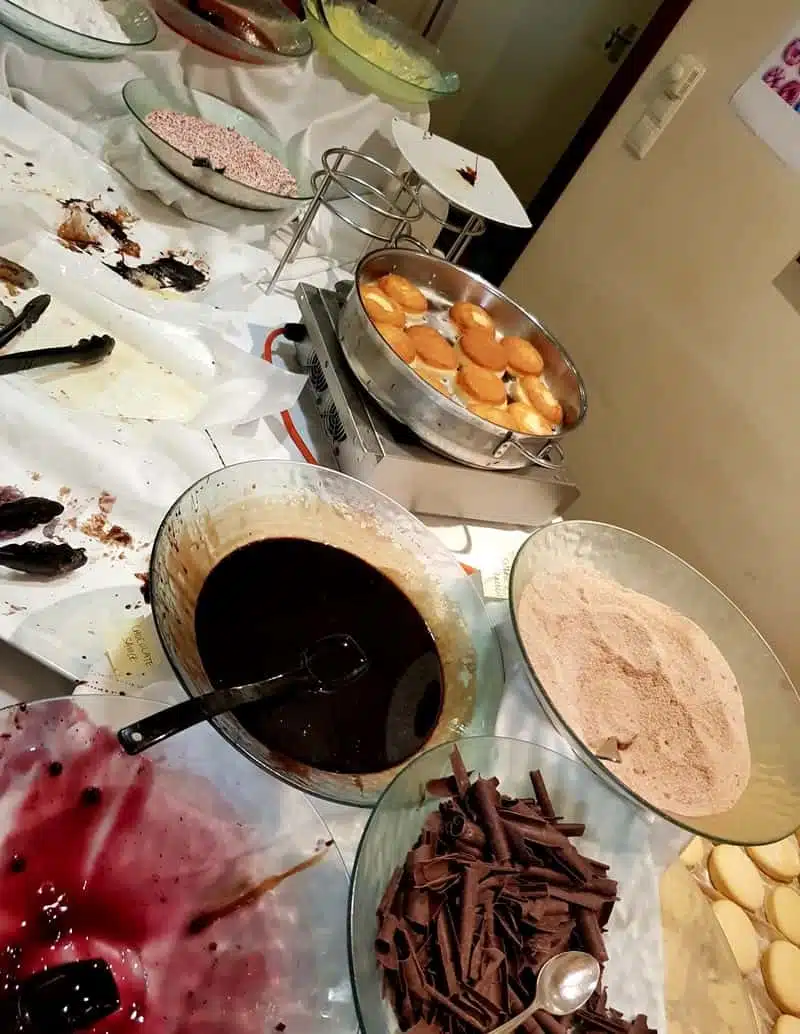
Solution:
(493, 888)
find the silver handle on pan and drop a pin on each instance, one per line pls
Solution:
(540, 458)
(412, 241)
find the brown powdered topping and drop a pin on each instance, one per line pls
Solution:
(619, 665)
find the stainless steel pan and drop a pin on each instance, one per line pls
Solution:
(442, 423)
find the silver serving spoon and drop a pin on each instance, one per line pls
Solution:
(565, 984)
(332, 661)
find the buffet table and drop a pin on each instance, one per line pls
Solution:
(291, 96)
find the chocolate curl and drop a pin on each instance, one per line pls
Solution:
(542, 796)
(466, 832)
(541, 873)
(385, 905)
(418, 908)
(445, 942)
(485, 795)
(444, 786)
(435, 872)
(579, 897)
(460, 773)
(384, 943)
(592, 936)
(571, 829)
(409, 967)
(544, 836)
(469, 905)
(421, 853)
(432, 828)
(549, 1024)
(604, 887)
(530, 1026)
(423, 1027)
(472, 996)
(454, 1008)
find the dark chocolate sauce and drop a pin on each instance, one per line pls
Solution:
(266, 602)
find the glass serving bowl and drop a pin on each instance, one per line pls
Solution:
(143, 851)
(262, 28)
(269, 499)
(615, 833)
(769, 809)
(133, 16)
(402, 66)
(143, 96)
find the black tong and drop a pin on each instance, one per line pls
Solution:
(88, 350)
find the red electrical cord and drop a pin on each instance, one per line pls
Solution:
(288, 423)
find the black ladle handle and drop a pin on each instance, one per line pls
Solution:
(160, 726)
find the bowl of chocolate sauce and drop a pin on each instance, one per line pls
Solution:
(256, 562)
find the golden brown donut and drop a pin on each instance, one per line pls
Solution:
(534, 392)
(467, 316)
(522, 357)
(474, 384)
(399, 342)
(481, 348)
(434, 352)
(380, 308)
(402, 291)
(528, 420)
(494, 414)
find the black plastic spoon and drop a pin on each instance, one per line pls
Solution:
(61, 999)
(330, 662)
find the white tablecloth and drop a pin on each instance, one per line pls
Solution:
(308, 96)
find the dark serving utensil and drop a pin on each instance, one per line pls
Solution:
(61, 999)
(88, 350)
(30, 313)
(330, 662)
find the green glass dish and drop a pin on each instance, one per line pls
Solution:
(134, 18)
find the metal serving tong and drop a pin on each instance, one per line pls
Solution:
(16, 325)
(88, 350)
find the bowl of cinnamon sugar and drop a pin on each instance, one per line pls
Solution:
(664, 688)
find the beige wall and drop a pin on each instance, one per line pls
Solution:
(657, 275)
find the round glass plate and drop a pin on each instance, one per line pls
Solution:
(212, 890)
(134, 18)
(265, 499)
(615, 834)
(143, 96)
(769, 809)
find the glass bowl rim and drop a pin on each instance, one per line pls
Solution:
(74, 33)
(583, 752)
(442, 89)
(637, 817)
(287, 776)
(300, 199)
(259, 54)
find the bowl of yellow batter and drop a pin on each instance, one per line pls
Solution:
(392, 60)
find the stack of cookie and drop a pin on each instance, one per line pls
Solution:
(755, 896)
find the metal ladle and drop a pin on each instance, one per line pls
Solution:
(565, 984)
(332, 661)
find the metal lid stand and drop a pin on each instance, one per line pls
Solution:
(398, 208)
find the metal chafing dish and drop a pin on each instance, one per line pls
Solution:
(442, 423)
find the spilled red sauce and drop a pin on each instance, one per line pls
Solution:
(107, 856)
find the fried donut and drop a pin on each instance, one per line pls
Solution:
(528, 420)
(494, 414)
(534, 392)
(402, 291)
(467, 316)
(380, 308)
(522, 357)
(399, 342)
(482, 348)
(435, 354)
(474, 384)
